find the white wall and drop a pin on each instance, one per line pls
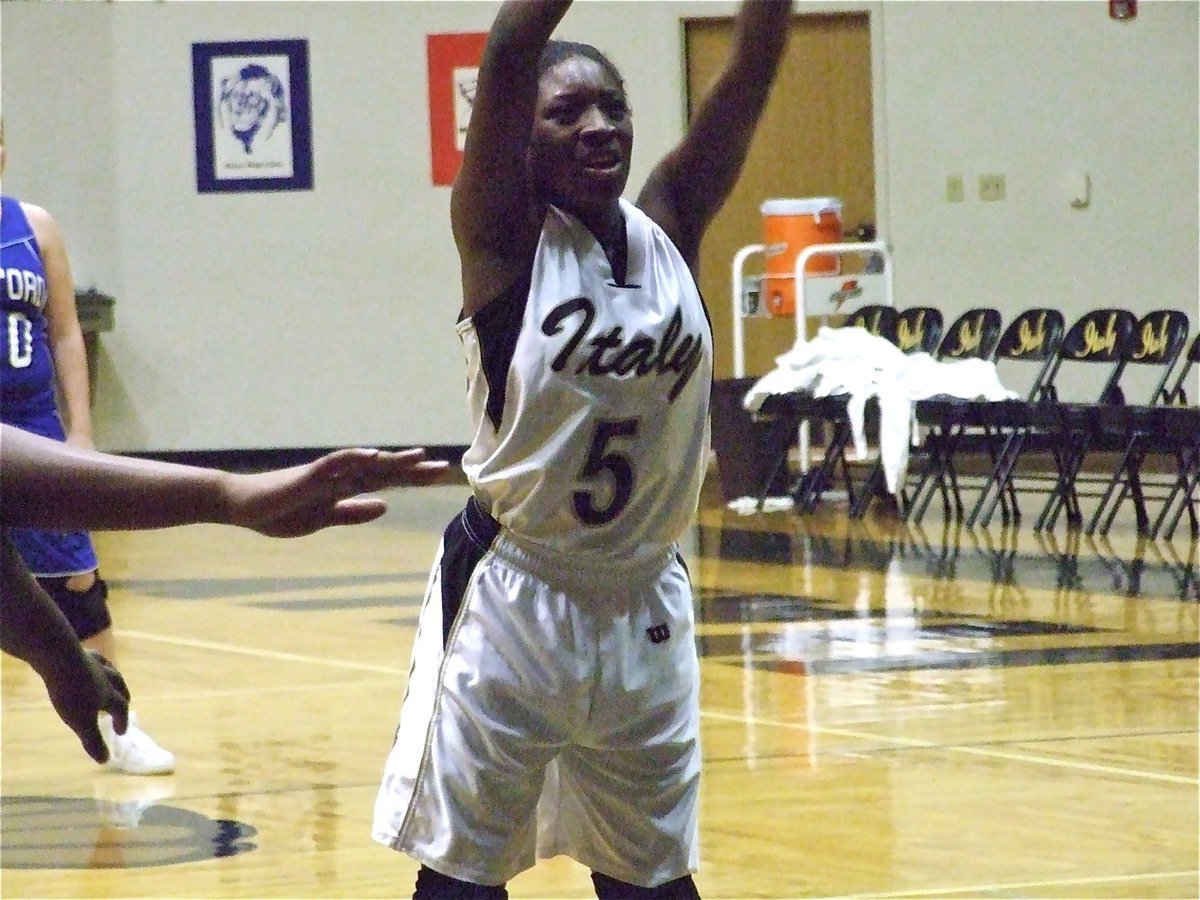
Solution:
(1044, 92)
(326, 317)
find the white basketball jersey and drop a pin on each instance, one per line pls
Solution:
(590, 399)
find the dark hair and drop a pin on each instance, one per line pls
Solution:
(556, 51)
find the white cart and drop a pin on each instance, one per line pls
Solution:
(820, 295)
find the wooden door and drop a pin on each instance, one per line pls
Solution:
(815, 139)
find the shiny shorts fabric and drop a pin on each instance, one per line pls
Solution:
(548, 711)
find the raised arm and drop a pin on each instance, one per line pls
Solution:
(494, 213)
(689, 185)
(48, 484)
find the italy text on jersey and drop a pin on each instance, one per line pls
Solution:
(611, 354)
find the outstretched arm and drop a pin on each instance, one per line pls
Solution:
(81, 683)
(494, 213)
(687, 188)
(48, 484)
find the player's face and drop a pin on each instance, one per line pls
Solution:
(582, 136)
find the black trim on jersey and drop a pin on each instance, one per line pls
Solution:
(498, 325)
(467, 538)
(683, 563)
(712, 369)
(703, 305)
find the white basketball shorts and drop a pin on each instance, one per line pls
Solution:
(547, 712)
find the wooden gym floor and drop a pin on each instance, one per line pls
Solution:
(888, 711)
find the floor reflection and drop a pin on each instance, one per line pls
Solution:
(894, 597)
(1009, 556)
(82, 833)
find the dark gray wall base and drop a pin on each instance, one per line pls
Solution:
(260, 460)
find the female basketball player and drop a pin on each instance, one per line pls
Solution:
(552, 704)
(43, 355)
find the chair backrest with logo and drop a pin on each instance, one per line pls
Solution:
(1098, 337)
(919, 329)
(1033, 337)
(973, 335)
(878, 319)
(1158, 340)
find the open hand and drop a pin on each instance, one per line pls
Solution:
(303, 499)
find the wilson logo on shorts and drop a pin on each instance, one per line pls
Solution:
(658, 633)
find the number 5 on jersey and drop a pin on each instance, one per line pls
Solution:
(601, 459)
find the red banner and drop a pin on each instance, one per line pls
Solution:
(453, 69)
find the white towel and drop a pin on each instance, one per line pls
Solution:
(862, 365)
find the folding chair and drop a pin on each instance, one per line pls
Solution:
(1099, 337)
(799, 406)
(1170, 427)
(1157, 340)
(915, 329)
(1030, 343)
(973, 335)
(1178, 428)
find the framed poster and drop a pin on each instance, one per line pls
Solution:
(453, 61)
(253, 116)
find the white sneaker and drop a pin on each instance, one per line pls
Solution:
(135, 752)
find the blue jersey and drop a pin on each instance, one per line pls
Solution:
(27, 382)
(27, 376)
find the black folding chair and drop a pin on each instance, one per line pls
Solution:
(973, 335)
(955, 425)
(1099, 337)
(1178, 429)
(797, 407)
(1156, 341)
(915, 329)
(1170, 427)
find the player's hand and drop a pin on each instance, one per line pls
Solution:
(303, 499)
(78, 701)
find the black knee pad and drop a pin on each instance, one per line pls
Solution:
(612, 889)
(433, 885)
(87, 611)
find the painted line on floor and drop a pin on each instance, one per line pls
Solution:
(968, 890)
(260, 653)
(918, 744)
(144, 697)
(914, 743)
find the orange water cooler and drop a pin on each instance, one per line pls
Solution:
(789, 226)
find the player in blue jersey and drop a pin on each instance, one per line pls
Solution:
(43, 355)
(552, 705)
